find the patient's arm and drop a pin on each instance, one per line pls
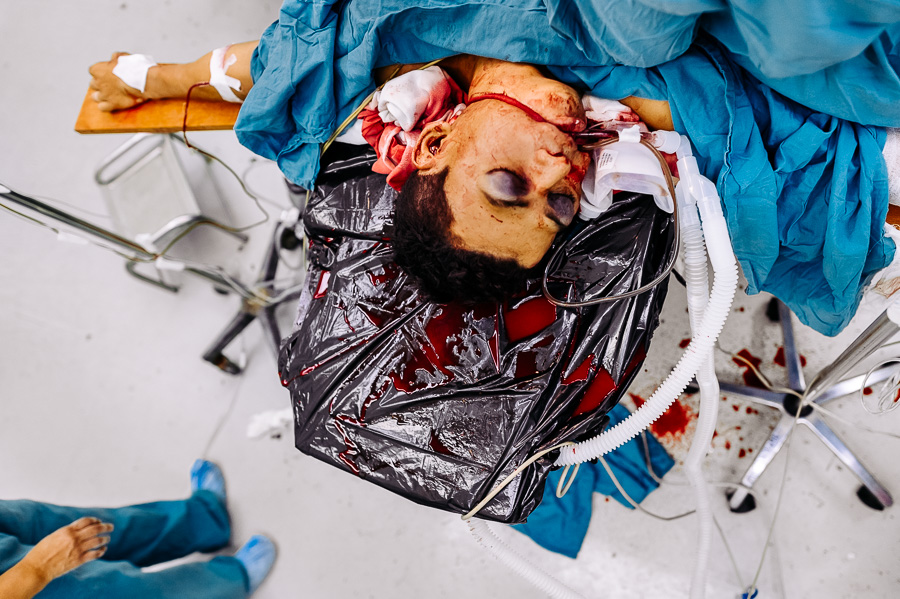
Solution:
(168, 80)
(655, 113)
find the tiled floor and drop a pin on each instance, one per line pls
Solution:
(104, 398)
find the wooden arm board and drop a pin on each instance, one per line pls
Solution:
(156, 116)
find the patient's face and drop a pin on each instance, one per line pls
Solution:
(512, 184)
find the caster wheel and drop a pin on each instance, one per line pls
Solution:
(747, 505)
(289, 239)
(868, 498)
(221, 362)
(772, 310)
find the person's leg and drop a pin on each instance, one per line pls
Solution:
(220, 578)
(145, 534)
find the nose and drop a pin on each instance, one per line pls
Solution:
(552, 168)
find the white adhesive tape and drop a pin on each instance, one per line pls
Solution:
(132, 69)
(218, 65)
(4, 189)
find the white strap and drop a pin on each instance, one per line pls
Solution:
(218, 64)
(132, 70)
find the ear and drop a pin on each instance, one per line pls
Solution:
(427, 153)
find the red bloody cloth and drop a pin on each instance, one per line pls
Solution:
(394, 146)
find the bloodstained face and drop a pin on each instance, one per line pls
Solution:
(513, 182)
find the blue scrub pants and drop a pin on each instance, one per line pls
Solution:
(144, 535)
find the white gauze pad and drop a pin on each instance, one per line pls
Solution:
(218, 64)
(132, 69)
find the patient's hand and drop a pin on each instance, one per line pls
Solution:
(110, 92)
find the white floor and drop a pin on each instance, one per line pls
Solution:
(104, 398)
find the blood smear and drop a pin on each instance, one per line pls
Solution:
(529, 318)
(526, 364)
(674, 421)
(581, 373)
(750, 378)
(322, 287)
(779, 358)
(684, 343)
(597, 391)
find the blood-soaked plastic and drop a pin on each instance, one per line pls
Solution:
(440, 402)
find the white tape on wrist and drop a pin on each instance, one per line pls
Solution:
(132, 69)
(218, 64)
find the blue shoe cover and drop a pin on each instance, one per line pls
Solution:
(257, 556)
(206, 475)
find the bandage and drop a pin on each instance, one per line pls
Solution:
(405, 99)
(132, 70)
(218, 64)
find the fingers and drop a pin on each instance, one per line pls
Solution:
(82, 523)
(94, 554)
(95, 529)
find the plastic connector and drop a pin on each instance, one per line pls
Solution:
(171, 265)
(666, 142)
(684, 149)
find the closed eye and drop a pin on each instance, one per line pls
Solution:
(507, 184)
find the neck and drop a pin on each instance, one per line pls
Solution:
(556, 102)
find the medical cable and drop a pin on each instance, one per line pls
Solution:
(889, 393)
(812, 404)
(499, 487)
(552, 262)
(216, 273)
(644, 510)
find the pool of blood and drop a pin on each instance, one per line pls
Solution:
(674, 421)
(529, 318)
(750, 378)
(779, 358)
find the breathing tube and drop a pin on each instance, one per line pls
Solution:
(700, 233)
(707, 315)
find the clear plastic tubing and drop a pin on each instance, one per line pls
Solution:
(518, 564)
(696, 279)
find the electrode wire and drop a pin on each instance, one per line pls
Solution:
(812, 404)
(552, 263)
(659, 480)
(513, 475)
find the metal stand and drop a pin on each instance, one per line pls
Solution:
(252, 309)
(826, 386)
(254, 303)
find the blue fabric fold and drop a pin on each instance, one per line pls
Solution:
(560, 524)
(783, 101)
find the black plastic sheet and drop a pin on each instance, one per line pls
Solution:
(440, 402)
